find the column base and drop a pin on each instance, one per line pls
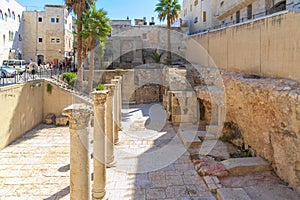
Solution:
(116, 142)
(111, 164)
(100, 196)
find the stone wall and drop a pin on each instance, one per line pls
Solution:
(21, 108)
(267, 46)
(267, 114)
(24, 106)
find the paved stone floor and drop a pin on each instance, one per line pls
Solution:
(150, 163)
(36, 166)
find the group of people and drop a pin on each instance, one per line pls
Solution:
(62, 65)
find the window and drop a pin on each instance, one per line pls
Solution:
(19, 18)
(40, 39)
(195, 2)
(204, 16)
(57, 40)
(9, 13)
(1, 15)
(11, 36)
(249, 11)
(238, 15)
(222, 3)
(52, 40)
(5, 17)
(13, 15)
(20, 38)
(40, 19)
(191, 7)
(54, 20)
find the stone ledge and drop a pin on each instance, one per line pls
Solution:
(232, 194)
(213, 183)
(238, 166)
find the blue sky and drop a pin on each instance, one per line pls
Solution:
(117, 9)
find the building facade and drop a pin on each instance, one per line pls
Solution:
(236, 11)
(202, 15)
(134, 45)
(10, 33)
(199, 14)
(48, 34)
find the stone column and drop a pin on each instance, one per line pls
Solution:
(109, 125)
(120, 101)
(98, 191)
(116, 110)
(79, 117)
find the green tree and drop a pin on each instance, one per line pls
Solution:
(78, 7)
(96, 27)
(168, 9)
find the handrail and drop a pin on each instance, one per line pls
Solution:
(29, 76)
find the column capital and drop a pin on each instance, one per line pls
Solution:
(100, 97)
(110, 88)
(79, 115)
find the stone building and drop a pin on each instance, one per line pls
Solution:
(10, 33)
(201, 15)
(48, 34)
(236, 11)
(132, 45)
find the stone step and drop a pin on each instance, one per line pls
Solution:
(239, 166)
(213, 183)
(203, 135)
(214, 129)
(189, 138)
(232, 194)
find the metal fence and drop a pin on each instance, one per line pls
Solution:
(284, 7)
(29, 76)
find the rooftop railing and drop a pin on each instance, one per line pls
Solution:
(282, 8)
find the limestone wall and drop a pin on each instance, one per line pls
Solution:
(56, 100)
(21, 108)
(267, 113)
(24, 106)
(268, 46)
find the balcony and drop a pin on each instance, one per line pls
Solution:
(230, 7)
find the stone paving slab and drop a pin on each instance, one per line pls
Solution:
(36, 166)
(176, 179)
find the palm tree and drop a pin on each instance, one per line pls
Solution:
(78, 7)
(168, 9)
(95, 27)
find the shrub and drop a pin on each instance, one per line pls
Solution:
(156, 56)
(99, 87)
(69, 78)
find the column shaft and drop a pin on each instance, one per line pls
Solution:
(79, 117)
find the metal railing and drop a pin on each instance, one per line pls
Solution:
(284, 7)
(30, 76)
